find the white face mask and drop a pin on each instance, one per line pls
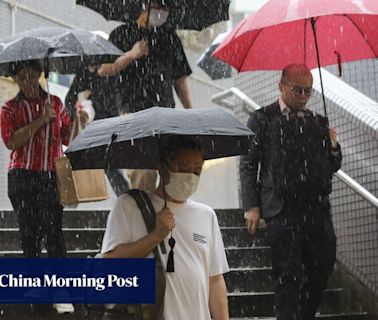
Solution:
(181, 185)
(157, 17)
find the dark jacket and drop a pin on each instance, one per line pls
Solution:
(102, 93)
(257, 184)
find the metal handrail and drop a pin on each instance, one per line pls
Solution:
(367, 195)
(249, 106)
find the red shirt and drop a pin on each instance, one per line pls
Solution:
(39, 152)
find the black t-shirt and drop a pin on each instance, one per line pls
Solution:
(102, 93)
(147, 82)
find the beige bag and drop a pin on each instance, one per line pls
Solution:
(79, 185)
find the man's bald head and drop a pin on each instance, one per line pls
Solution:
(296, 85)
(295, 70)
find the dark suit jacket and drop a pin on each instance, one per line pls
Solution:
(256, 167)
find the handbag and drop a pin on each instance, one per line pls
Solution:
(75, 186)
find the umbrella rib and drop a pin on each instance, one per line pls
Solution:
(362, 34)
(254, 40)
(235, 32)
(304, 41)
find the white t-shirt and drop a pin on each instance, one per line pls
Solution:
(198, 253)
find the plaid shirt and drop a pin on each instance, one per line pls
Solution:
(39, 152)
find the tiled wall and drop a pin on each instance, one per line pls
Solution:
(356, 221)
(36, 13)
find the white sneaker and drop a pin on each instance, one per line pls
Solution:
(63, 308)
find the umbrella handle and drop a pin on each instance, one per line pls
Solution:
(48, 92)
(165, 193)
(148, 13)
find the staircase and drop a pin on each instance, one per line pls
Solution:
(249, 280)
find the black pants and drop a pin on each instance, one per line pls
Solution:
(303, 255)
(35, 200)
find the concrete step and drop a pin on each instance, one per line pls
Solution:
(354, 316)
(237, 258)
(71, 219)
(246, 257)
(97, 218)
(75, 239)
(91, 238)
(86, 253)
(260, 304)
(230, 217)
(239, 237)
(247, 279)
(249, 257)
(46, 312)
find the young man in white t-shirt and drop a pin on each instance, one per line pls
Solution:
(196, 290)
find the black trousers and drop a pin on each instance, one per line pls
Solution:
(303, 255)
(35, 200)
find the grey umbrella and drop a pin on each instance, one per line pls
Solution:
(216, 69)
(59, 49)
(134, 141)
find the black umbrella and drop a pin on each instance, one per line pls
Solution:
(62, 50)
(184, 14)
(134, 141)
(216, 69)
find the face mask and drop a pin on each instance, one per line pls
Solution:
(157, 17)
(181, 185)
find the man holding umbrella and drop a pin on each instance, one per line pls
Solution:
(196, 290)
(153, 63)
(286, 178)
(34, 125)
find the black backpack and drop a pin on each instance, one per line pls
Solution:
(300, 155)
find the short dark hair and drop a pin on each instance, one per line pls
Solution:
(174, 144)
(16, 67)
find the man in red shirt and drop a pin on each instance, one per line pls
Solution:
(34, 127)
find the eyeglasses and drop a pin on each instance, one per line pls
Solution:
(298, 90)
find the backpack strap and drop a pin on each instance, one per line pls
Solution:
(148, 212)
(155, 311)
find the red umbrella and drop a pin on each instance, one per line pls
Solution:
(315, 33)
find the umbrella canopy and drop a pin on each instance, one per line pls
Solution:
(134, 141)
(65, 50)
(184, 14)
(281, 33)
(216, 69)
